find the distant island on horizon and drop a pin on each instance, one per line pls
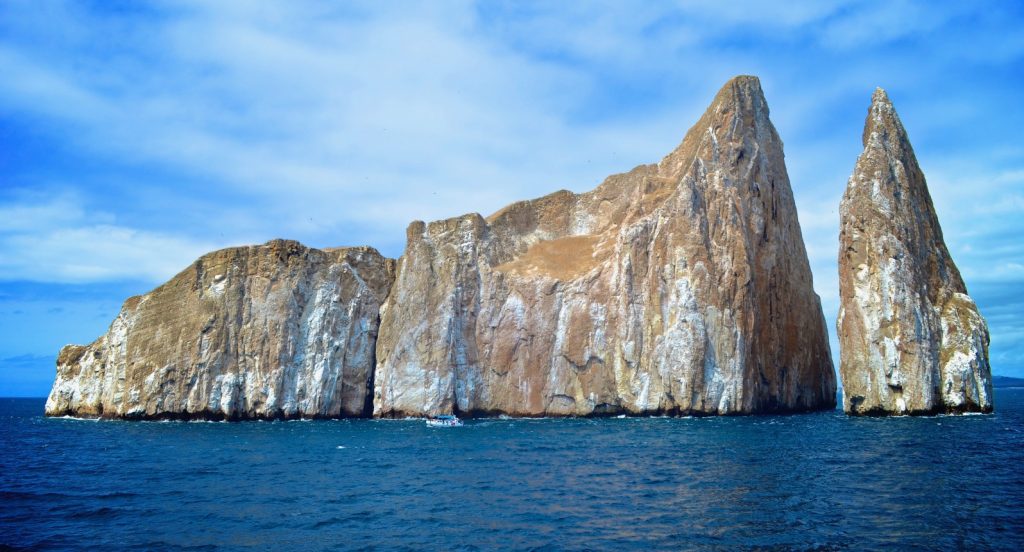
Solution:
(1007, 381)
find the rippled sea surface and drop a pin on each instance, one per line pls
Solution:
(816, 481)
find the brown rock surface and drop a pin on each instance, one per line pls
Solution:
(276, 330)
(681, 287)
(912, 340)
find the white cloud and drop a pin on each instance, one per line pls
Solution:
(25, 214)
(362, 122)
(58, 241)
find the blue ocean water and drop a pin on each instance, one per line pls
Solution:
(815, 481)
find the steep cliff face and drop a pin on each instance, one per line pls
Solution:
(277, 330)
(912, 340)
(681, 287)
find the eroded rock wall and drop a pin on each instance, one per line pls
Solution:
(271, 331)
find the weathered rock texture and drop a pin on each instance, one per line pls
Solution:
(271, 331)
(681, 287)
(912, 341)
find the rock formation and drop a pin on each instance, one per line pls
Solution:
(271, 331)
(911, 339)
(676, 288)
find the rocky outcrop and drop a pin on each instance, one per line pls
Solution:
(272, 331)
(912, 340)
(676, 288)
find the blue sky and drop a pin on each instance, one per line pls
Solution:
(136, 136)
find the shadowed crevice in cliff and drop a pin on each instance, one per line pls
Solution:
(368, 398)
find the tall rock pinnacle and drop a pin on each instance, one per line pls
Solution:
(912, 340)
(681, 287)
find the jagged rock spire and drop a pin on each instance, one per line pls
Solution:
(912, 341)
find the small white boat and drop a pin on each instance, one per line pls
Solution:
(444, 421)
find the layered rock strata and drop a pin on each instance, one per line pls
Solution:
(911, 340)
(272, 331)
(676, 288)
